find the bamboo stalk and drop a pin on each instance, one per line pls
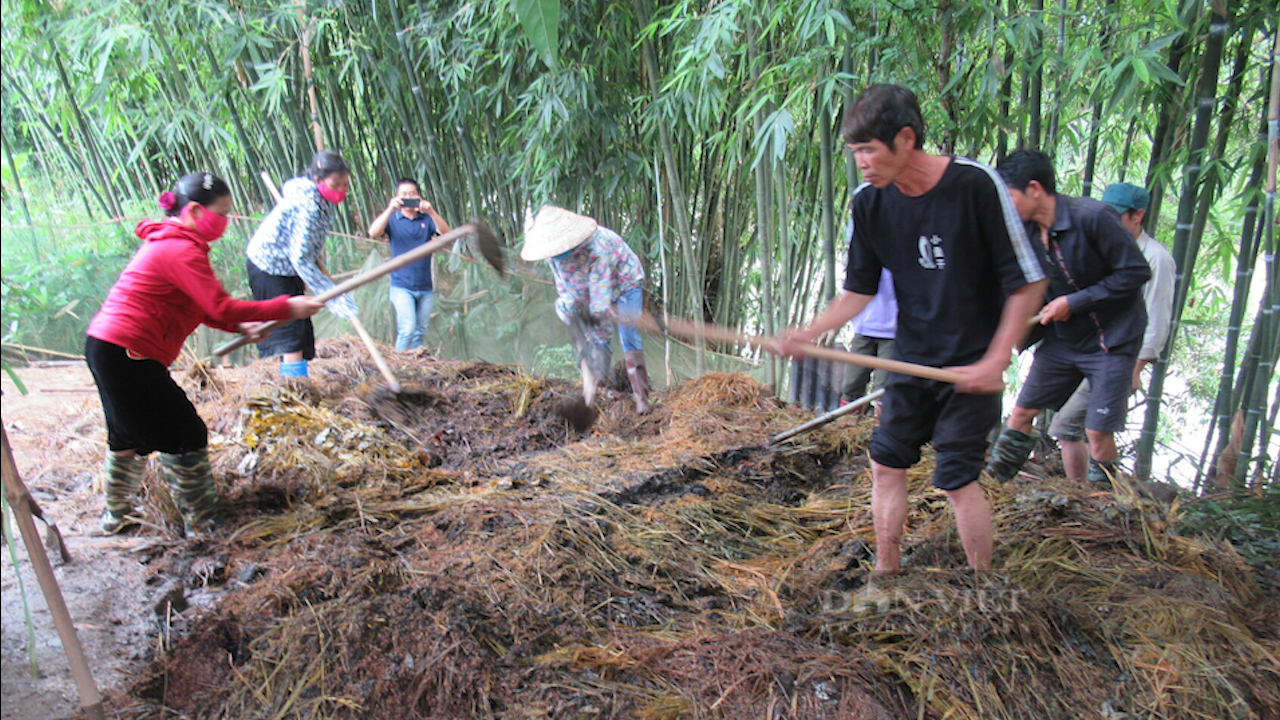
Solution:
(20, 500)
(1186, 242)
(680, 214)
(1269, 316)
(1250, 241)
(42, 351)
(305, 41)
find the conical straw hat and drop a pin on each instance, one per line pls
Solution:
(555, 230)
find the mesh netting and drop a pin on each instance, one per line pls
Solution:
(477, 314)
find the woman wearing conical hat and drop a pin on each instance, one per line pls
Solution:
(598, 281)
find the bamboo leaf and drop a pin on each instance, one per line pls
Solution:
(541, 22)
(1160, 43)
(108, 42)
(1140, 68)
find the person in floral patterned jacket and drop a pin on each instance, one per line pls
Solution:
(598, 280)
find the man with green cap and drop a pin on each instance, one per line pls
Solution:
(1131, 202)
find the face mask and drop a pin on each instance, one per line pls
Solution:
(210, 225)
(564, 255)
(328, 193)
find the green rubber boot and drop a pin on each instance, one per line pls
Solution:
(191, 484)
(124, 477)
(1010, 454)
(1102, 471)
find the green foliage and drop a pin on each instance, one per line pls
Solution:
(555, 361)
(13, 375)
(541, 22)
(48, 301)
(1250, 522)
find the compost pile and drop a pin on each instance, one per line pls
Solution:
(457, 551)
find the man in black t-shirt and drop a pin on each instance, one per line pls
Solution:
(967, 281)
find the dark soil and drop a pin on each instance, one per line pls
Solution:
(460, 550)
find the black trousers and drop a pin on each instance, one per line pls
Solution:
(297, 335)
(145, 409)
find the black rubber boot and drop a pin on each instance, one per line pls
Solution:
(1010, 454)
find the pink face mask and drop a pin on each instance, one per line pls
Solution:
(210, 224)
(328, 193)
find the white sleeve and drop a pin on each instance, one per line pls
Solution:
(1157, 294)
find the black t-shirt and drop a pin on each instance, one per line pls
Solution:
(955, 252)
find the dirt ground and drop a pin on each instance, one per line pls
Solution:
(458, 551)
(56, 432)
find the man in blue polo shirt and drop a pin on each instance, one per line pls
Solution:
(410, 222)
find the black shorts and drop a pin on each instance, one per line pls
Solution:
(1057, 372)
(145, 409)
(297, 335)
(914, 411)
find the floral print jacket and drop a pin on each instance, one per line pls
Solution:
(595, 274)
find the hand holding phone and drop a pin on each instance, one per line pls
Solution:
(410, 202)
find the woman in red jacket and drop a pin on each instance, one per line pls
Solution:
(167, 290)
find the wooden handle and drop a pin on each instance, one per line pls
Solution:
(703, 331)
(347, 286)
(378, 359)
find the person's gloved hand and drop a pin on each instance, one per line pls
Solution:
(565, 310)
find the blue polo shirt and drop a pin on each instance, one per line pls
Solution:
(405, 235)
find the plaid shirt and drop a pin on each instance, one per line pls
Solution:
(595, 274)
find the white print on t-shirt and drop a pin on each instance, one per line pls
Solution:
(931, 255)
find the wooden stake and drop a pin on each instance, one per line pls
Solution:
(21, 502)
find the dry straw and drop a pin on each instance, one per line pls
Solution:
(674, 566)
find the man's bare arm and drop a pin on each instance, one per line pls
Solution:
(987, 375)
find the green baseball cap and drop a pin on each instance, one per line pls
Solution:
(1126, 196)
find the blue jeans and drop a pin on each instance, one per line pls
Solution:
(630, 305)
(413, 315)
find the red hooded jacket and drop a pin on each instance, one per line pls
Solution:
(167, 290)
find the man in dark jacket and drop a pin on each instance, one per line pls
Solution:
(1094, 316)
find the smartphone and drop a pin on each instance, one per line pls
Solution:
(411, 202)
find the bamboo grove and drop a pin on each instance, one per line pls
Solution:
(706, 132)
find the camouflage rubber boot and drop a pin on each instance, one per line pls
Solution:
(124, 477)
(1102, 471)
(191, 484)
(1010, 454)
